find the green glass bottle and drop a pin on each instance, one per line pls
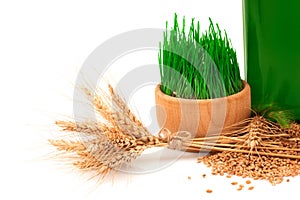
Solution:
(272, 52)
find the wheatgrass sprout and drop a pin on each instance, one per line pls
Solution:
(200, 59)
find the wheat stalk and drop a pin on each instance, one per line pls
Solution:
(108, 145)
(125, 119)
(256, 136)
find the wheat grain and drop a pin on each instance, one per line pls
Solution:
(251, 188)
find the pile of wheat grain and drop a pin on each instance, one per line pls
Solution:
(273, 169)
(261, 165)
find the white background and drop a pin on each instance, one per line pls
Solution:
(42, 47)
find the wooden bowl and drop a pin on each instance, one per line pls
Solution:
(202, 117)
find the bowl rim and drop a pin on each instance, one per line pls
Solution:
(176, 99)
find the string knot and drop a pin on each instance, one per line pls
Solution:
(175, 140)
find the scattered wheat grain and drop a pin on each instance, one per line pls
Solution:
(251, 188)
(209, 191)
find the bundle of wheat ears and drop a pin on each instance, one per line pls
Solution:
(109, 144)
